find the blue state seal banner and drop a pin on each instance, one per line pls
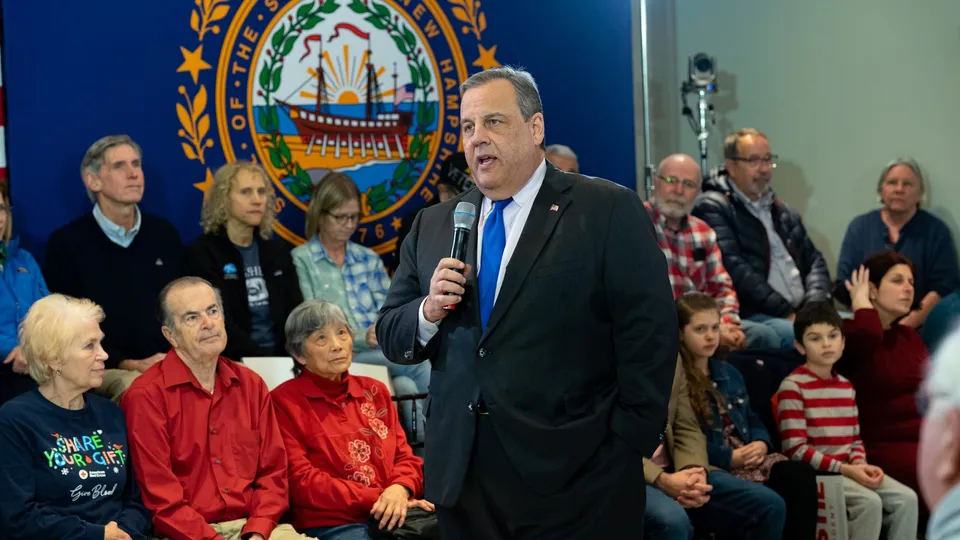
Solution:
(305, 87)
(199, 82)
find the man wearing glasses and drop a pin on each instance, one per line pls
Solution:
(693, 257)
(774, 265)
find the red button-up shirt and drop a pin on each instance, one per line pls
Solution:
(204, 458)
(345, 446)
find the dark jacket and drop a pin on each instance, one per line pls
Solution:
(925, 240)
(208, 256)
(746, 249)
(748, 426)
(83, 262)
(570, 305)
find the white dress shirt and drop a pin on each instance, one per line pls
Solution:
(514, 219)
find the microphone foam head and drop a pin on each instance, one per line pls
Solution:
(464, 215)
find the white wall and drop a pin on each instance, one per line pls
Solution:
(840, 87)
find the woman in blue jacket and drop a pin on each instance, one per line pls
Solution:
(737, 441)
(23, 285)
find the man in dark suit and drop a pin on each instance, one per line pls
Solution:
(551, 375)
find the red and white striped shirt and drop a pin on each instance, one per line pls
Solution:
(819, 420)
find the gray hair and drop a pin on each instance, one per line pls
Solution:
(309, 317)
(731, 145)
(528, 95)
(93, 159)
(561, 150)
(943, 373)
(908, 162)
(164, 315)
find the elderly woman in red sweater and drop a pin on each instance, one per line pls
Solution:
(348, 456)
(885, 362)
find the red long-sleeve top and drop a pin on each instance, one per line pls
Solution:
(345, 446)
(204, 458)
(886, 367)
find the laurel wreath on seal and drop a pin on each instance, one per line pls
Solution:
(468, 11)
(194, 121)
(378, 197)
(282, 41)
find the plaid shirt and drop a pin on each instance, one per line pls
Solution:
(359, 287)
(694, 262)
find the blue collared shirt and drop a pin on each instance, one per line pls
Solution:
(117, 234)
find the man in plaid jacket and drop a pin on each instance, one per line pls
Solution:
(693, 256)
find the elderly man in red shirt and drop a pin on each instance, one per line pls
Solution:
(204, 440)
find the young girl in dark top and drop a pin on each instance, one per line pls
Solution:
(737, 441)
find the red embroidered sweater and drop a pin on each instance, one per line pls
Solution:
(344, 445)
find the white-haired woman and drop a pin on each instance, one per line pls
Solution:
(901, 225)
(65, 472)
(237, 254)
(24, 286)
(348, 457)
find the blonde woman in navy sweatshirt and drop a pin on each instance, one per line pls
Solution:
(65, 472)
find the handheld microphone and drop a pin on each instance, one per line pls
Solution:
(463, 218)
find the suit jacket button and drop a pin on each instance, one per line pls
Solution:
(470, 406)
(408, 355)
(483, 353)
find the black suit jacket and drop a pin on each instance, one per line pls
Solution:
(582, 340)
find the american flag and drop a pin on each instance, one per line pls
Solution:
(404, 93)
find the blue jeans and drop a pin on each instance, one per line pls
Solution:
(781, 328)
(353, 531)
(737, 509)
(412, 379)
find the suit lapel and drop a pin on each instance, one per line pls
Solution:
(548, 206)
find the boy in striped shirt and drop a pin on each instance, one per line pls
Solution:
(819, 424)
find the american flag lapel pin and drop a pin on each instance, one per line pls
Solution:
(554, 208)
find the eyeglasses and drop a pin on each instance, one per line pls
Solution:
(671, 180)
(755, 161)
(343, 219)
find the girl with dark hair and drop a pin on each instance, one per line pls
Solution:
(737, 441)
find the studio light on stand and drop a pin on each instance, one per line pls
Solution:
(702, 80)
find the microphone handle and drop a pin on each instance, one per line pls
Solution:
(458, 251)
(459, 248)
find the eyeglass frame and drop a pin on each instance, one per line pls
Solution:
(343, 219)
(756, 161)
(671, 180)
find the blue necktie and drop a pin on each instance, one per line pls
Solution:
(494, 242)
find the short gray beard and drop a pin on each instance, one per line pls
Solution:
(673, 211)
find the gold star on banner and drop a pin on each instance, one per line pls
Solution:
(205, 185)
(193, 62)
(486, 59)
(397, 223)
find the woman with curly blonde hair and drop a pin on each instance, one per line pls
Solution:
(237, 254)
